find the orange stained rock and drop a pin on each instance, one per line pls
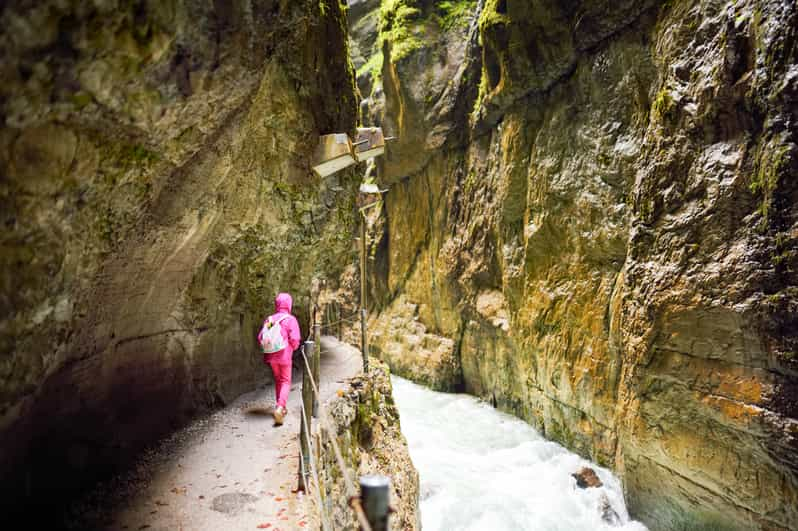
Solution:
(732, 409)
(744, 389)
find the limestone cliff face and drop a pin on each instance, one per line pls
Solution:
(592, 223)
(156, 193)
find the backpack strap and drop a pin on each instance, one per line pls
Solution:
(278, 320)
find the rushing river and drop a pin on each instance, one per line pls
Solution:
(482, 469)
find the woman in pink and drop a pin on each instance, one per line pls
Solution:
(280, 361)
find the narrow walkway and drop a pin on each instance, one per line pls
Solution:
(234, 469)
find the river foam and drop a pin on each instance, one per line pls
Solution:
(482, 470)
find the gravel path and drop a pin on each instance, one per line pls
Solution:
(231, 470)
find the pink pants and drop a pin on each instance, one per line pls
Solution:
(282, 381)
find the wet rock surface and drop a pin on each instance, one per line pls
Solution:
(156, 194)
(586, 478)
(595, 205)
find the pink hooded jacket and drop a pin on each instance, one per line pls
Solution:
(289, 328)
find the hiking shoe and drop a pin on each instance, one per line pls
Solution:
(279, 415)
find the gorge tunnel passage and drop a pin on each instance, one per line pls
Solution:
(590, 223)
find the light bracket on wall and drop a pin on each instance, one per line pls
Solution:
(369, 143)
(334, 153)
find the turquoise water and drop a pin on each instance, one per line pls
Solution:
(485, 470)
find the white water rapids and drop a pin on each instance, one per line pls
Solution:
(482, 469)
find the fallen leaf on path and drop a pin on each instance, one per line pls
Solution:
(264, 526)
(302, 524)
(278, 498)
(340, 393)
(201, 497)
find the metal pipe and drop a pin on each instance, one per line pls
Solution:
(375, 499)
(363, 339)
(305, 427)
(315, 365)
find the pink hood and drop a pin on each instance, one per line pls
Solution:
(283, 303)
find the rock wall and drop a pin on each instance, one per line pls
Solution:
(365, 423)
(157, 193)
(592, 223)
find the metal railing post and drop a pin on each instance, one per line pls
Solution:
(375, 500)
(305, 430)
(315, 365)
(363, 286)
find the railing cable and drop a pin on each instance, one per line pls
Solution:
(314, 473)
(350, 487)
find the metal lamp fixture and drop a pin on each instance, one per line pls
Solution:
(334, 153)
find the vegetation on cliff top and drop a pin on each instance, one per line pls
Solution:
(402, 24)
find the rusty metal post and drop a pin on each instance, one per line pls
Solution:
(364, 347)
(340, 323)
(375, 499)
(315, 366)
(305, 431)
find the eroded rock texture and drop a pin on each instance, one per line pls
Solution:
(365, 422)
(156, 194)
(592, 223)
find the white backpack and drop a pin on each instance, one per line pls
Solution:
(271, 336)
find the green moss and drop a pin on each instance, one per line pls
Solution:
(372, 67)
(129, 156)
(491, 16)
(453, 14)
(646, 209)
(764, 181)
(482, 91)
(81, 99)
(663, 108)
(398, 19)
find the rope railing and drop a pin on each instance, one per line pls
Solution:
(351, 319)
(345, 472)
(371, 507)
(325, 524)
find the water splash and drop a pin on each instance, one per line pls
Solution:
(483, 469)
